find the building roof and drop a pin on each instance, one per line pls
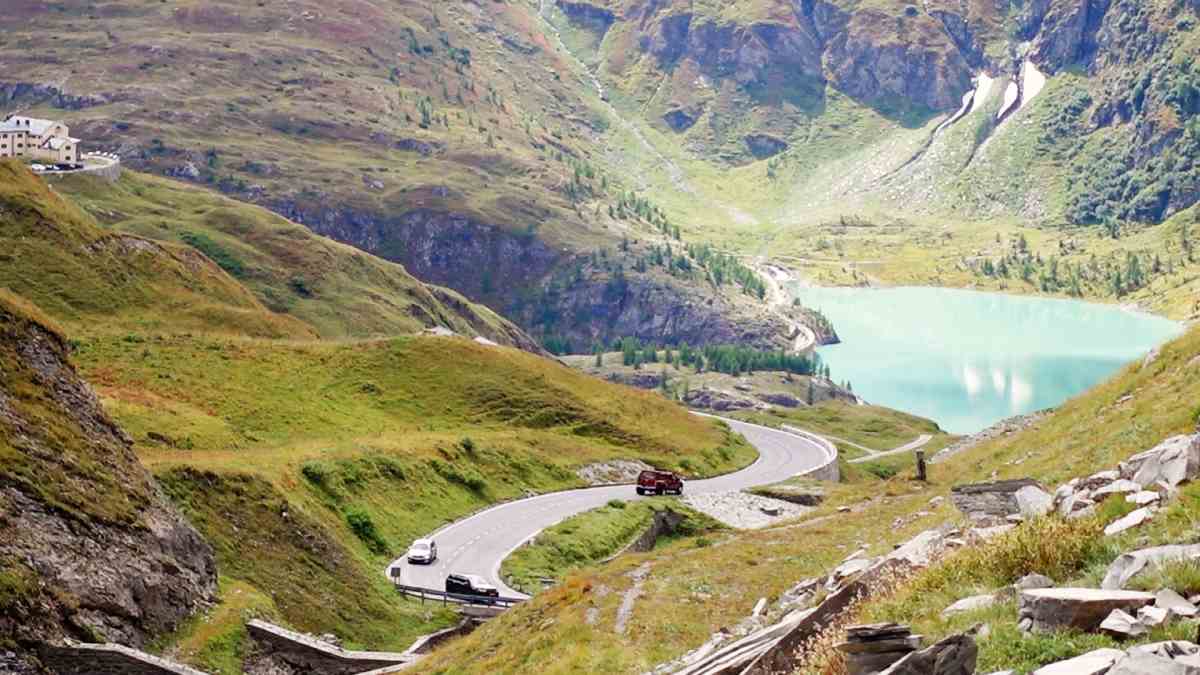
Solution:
(33, 125)
(56, 143)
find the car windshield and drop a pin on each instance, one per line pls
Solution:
(479, 582)
(420, 546)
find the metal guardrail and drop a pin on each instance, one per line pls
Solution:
(446, 598)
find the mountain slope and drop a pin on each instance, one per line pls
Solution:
(449, 137)
(89, 549)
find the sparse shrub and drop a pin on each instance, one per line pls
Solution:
(882, 471)
(215, 252)
(616, 504)
(468, 477)
(364, 528)
(316, 473)
(467, 445)
(702, 542)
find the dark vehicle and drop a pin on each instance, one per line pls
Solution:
(470, 584)
(659, 482)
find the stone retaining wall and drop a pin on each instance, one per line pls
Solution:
(108, 659)
(309, 655)
(829, 470)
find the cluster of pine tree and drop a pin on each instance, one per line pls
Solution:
(1118, 274)
(727, 359)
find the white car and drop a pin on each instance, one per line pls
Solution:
(422, 551)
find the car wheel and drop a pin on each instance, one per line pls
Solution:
(639, 490)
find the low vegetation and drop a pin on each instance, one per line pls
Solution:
(593, 536)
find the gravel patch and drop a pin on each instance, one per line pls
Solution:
(1004, 427)
(744, 510)
(616, 471)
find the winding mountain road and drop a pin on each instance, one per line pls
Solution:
(479, 543)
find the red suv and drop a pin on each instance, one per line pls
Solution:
(659, 482)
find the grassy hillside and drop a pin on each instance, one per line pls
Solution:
(308, 464)
(367, 446)
(719, 583)
(339, 290)
(56, 256)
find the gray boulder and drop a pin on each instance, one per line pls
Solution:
(1173, 461)
(1094, 662)
(1175, 604)
(1049, 609)
(1129, 565)
(969, 605)
(1129, 521)
(1121, 624)
(1116, 487)
(994, 502)
(1144, 664)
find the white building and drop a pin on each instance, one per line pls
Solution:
(42, 140)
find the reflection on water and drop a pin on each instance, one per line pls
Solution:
(968, 359)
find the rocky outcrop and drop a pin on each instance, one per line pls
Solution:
(89, 548)
(49, 94)
(1000, 500)
(871, 648)
(478, 259)
(763, 146)
(955, 655)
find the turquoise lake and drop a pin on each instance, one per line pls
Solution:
(967, 359)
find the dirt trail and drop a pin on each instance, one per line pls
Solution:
(630, 598)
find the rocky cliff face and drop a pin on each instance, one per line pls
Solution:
(745, 81)
(524, 278)
(89, 548)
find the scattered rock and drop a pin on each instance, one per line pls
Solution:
(1129, 565)
(956, 655)
(1099, 480)
(1047, 609)
(1144, 664)
(1173, 461)
(1152, 616)
(1175, 604)
(1143, 498)
(614, 471)
(743, 510)
(871, 648)
(1169, 649)
(969, 605)
(1033, 581)
(1121, 624)
(1120, 486)
(1129, 521)
(1074, 503)
(1092, 663)
(780, 399)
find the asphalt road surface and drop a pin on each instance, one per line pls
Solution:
(479, 543)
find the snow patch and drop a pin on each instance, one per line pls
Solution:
(1012, 99)
(1032, 82)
